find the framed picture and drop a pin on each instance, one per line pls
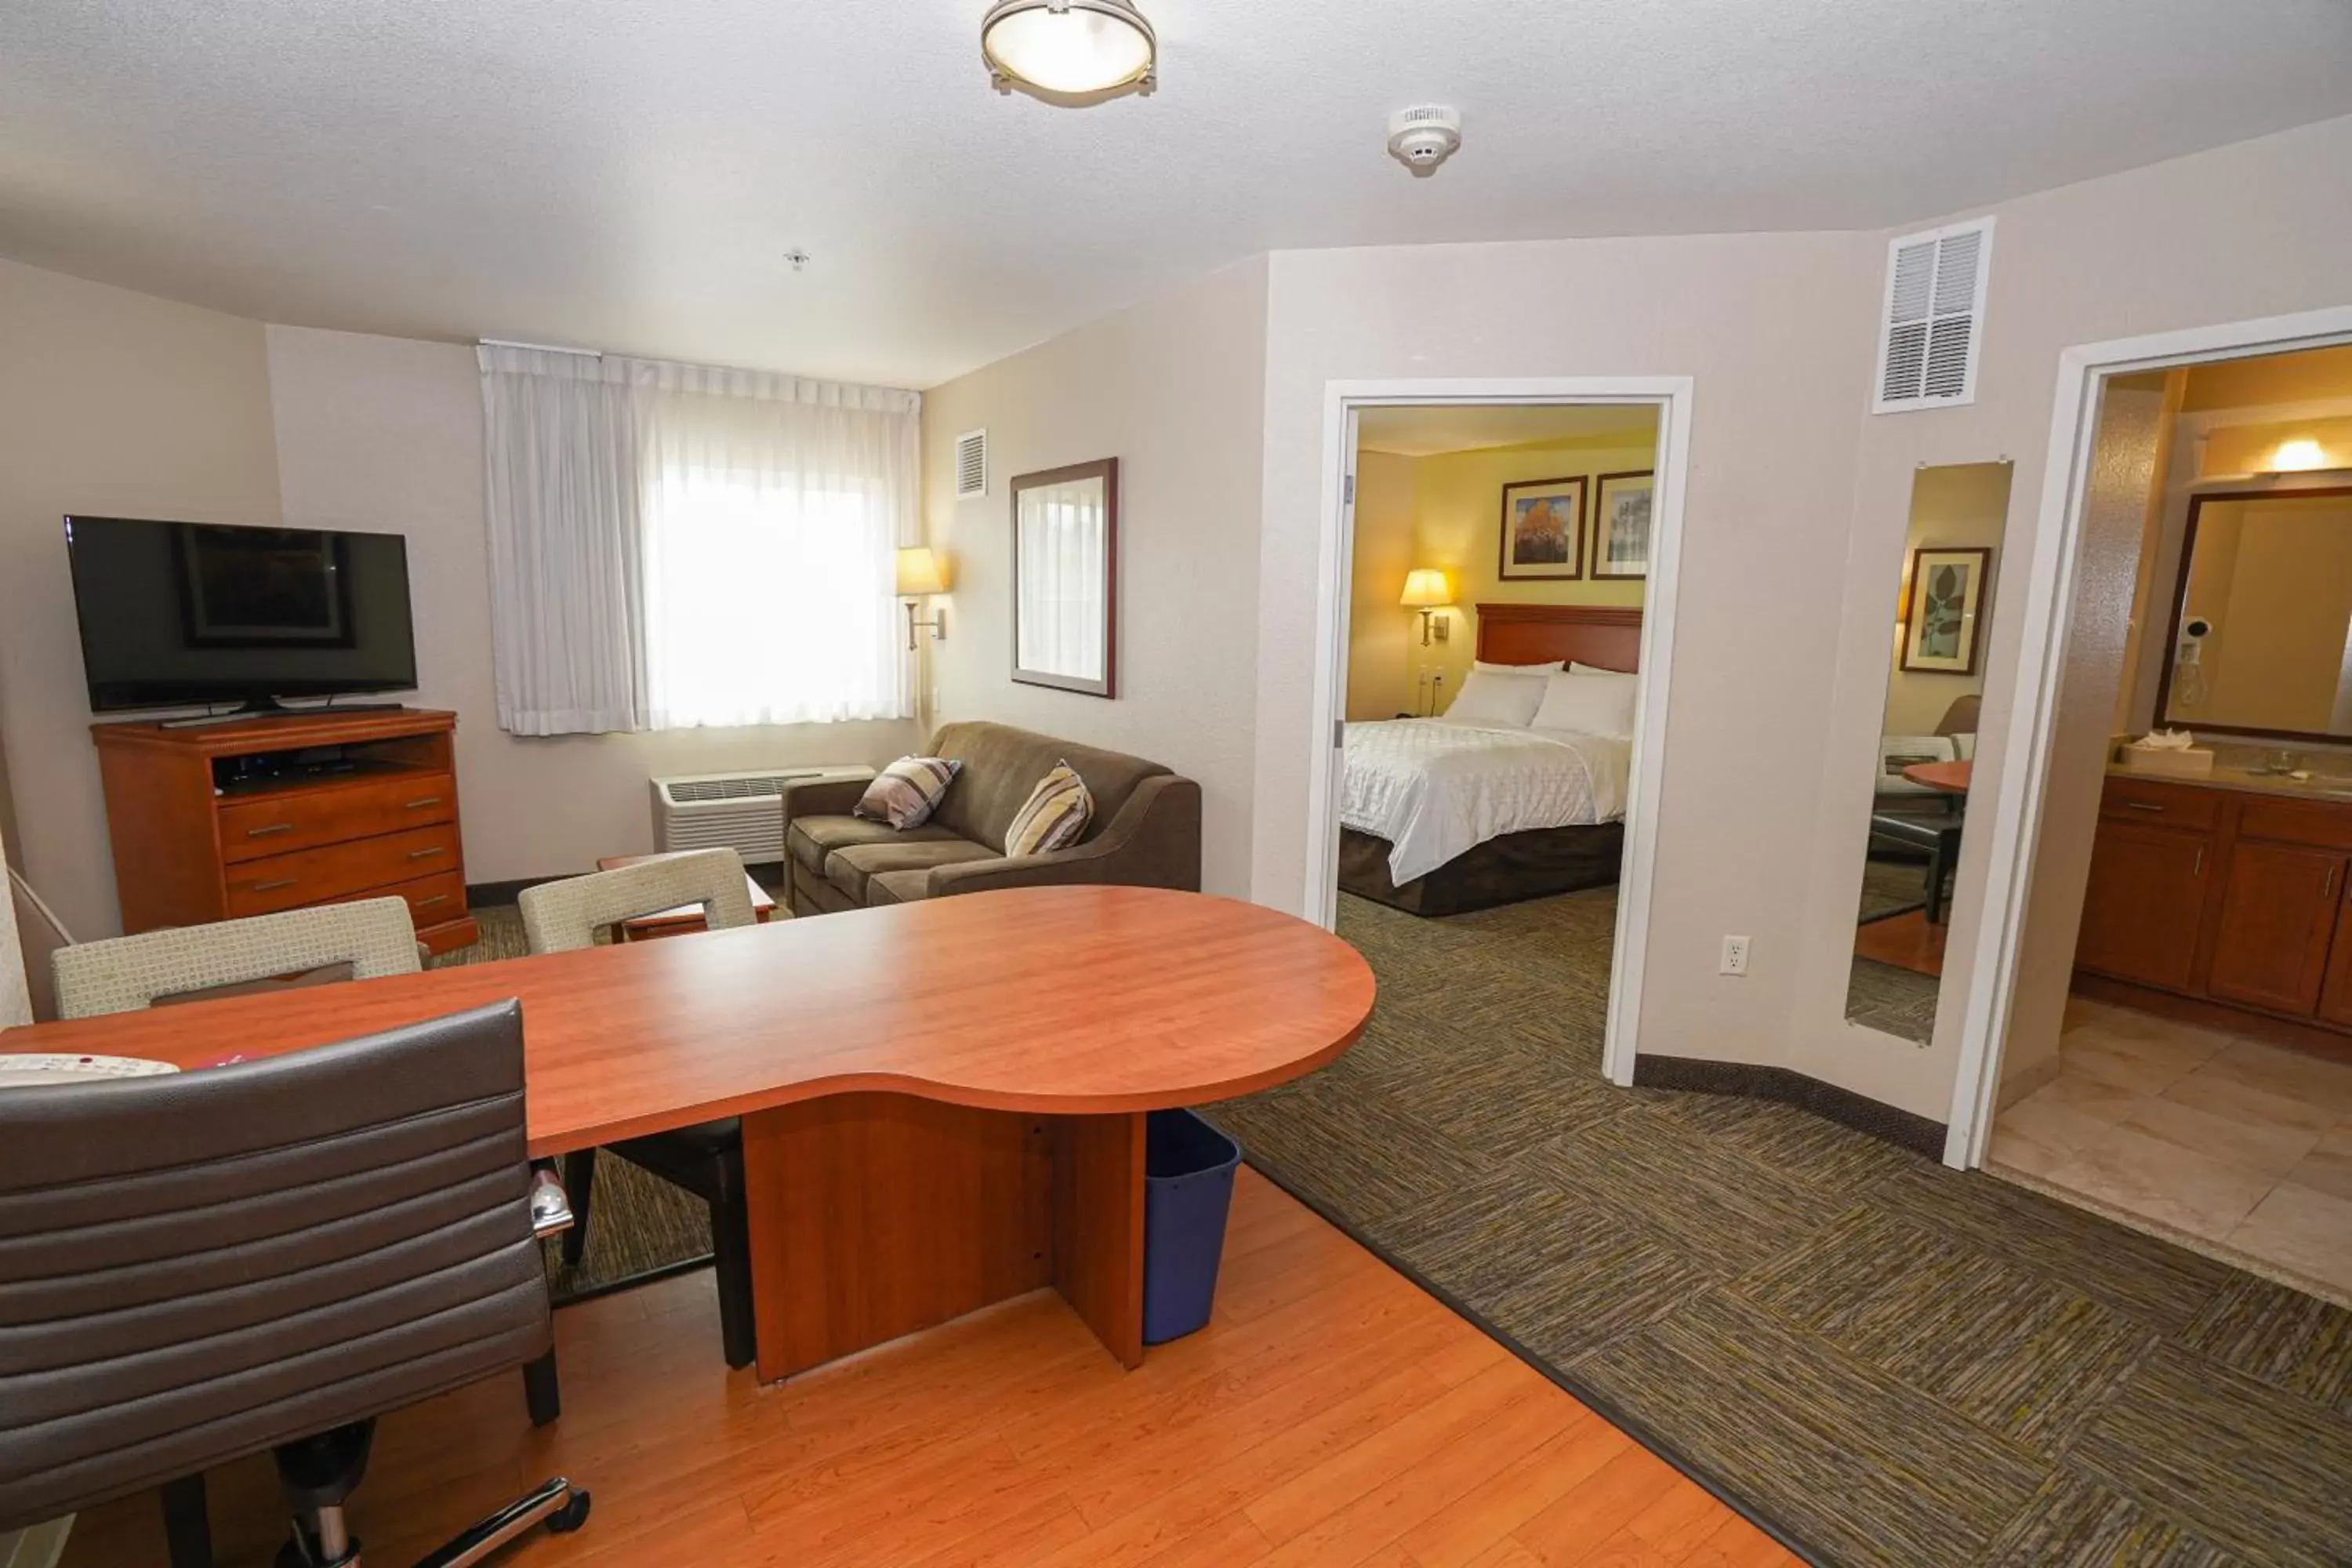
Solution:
(1946, 609)
(1543, 529)
(262, 587)
(1066, 578)
(1620, 524)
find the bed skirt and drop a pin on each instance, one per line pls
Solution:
(1535, 864)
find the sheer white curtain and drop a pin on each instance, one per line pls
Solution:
(675, 545)
(774, 508)
(560, 495)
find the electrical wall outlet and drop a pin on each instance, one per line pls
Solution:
(1735, 955)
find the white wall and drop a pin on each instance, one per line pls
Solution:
(1173, 389)
(2256, 229)
(386, 434)
(1770, 328)
(111, 403)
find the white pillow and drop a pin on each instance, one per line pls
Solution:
(1598, 703)
(1489, 698)
(1489, 667)
(1594, 670)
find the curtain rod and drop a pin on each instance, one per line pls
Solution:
(543, 348)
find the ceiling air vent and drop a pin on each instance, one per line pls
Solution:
(971, 464)
(1934, 321)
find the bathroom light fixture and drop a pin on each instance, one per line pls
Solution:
(1069, 49)
(2297, 457)
(920, 575)
(1425, 588)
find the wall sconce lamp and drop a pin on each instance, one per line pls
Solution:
(920, 575)
(1426, 589)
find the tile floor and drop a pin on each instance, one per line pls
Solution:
(2242, 1146)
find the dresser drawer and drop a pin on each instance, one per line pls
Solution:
(432, 900)
(279, 823)
(338, 872)
(2163, 805)
(2320, 824)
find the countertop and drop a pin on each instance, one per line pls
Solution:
(2319, 787)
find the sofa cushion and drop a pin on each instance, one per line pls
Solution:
(849, 869)
(814, 837)
(897, 887)
(1003, 764)
(905, 794)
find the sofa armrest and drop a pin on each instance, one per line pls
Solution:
(1153, 842)
(821, 797)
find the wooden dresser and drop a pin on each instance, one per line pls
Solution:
(251, 816)
(2233, 898)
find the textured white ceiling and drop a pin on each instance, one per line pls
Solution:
(1423, 430)
(627, 174)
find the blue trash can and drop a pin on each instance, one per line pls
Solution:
(1188, 1187)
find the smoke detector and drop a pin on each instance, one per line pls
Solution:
(1422, 137)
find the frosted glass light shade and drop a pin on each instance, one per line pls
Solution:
(1425, 588)
(1069, 48)
(920, 573)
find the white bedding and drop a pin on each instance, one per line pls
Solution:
(1435, 787)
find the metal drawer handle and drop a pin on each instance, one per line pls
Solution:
(435, 898)
(2142, 805)
(273, 827)
(273, 886)
(426, 854)
(421, 805)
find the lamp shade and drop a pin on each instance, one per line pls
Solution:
(1425, 587)
(919, 571)
(1069, 48)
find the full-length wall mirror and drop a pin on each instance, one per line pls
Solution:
(1066, 578)
(2261, 616)
(1926, 744)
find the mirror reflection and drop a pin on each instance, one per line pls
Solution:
(1065, 576)
(1926, 744)
(2261, 619)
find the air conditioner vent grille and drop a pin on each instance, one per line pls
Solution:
(1934, 323)
(739, 811)
(971, 464)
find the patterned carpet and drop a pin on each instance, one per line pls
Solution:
(1889, 1362)
(641, 1226)
(1886, 996)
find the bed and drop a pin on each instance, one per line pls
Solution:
(1440, 817)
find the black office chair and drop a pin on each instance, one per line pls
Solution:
(269, 1256)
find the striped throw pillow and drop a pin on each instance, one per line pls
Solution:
(905, 794)
(1056, 812)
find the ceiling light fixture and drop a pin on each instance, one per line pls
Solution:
(1069, 49)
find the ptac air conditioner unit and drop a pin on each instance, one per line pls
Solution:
(742, 812)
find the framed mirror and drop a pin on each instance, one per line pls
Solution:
(2261, 616)
(1066, 578)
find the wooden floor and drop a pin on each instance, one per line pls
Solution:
(1906, 941)
(1331, 1414)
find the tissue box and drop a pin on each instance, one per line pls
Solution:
(2195, 762)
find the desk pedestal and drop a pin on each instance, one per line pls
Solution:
(874, 1214)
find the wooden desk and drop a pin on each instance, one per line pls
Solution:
(942, 1101)
(686, 918)
(1952, 778)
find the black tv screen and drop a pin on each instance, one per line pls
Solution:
(186, 612)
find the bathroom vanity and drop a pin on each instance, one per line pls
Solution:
(2232, 892)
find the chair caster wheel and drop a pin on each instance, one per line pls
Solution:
(570, 1516)
(298, 1554)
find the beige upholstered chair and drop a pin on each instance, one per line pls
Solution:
(121, 975)
(558, 917)
(705, 1160)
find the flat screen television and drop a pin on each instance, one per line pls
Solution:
(179, 613)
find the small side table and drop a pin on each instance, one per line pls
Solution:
(685, 918)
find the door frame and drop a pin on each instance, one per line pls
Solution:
(1672, 397)
(2017, 796)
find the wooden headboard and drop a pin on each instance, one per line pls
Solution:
(1607, 636)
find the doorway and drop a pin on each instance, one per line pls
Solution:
(1641, 648)
(2149, 1033)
